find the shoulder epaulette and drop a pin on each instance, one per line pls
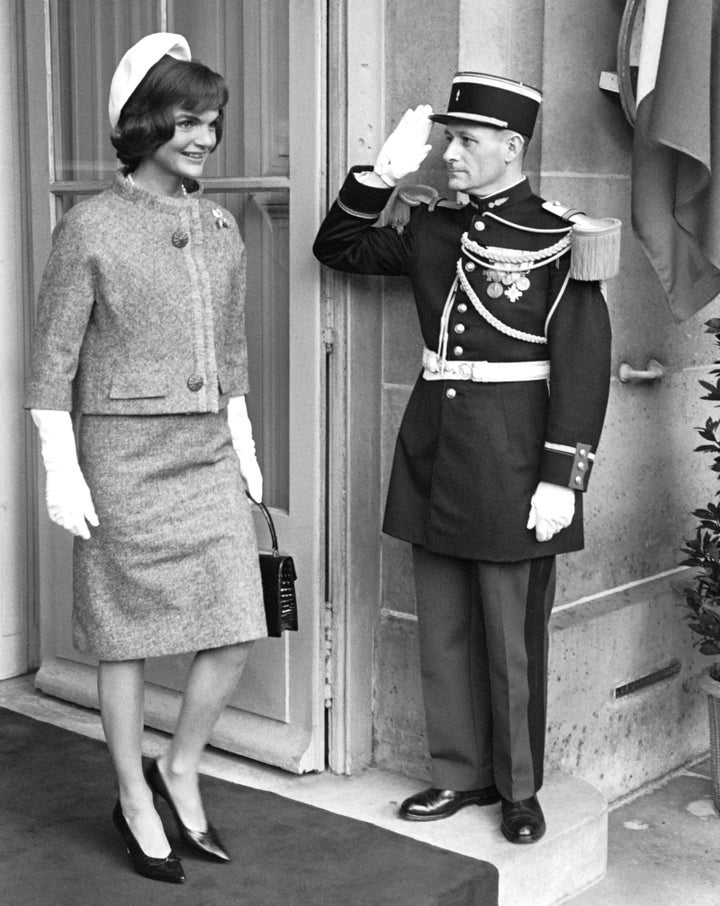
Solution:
(595, 243)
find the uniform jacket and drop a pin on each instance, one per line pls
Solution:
(141, 307)
(469, 455)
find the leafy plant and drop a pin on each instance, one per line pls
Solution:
(702, 596)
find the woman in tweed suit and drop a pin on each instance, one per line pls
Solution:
(140, 332)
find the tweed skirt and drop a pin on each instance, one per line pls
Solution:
(173, 564)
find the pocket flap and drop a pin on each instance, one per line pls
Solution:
(137, 387)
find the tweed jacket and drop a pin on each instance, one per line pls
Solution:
(469, 455)
(141, 307)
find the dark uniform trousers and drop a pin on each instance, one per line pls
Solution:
(483, 654)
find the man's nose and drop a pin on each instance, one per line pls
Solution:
(450, 152)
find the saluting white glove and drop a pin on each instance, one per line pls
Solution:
(241, 433)
(68, 499)
(406, 147)
(552, 507)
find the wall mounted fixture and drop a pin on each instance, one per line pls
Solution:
(654, 372)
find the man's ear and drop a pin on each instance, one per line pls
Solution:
(515, 145)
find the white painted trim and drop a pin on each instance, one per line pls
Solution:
(620, 588)
(398, 615)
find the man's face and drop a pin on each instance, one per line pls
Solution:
(476, 158)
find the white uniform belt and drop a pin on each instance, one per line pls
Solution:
(482, 372)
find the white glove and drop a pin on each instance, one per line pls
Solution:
(67, 495)
(241, 433)
(551, 509)
(406, 147)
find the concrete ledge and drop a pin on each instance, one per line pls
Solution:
(619, 744)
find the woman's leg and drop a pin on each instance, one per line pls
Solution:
(121, 692)
(212, 679)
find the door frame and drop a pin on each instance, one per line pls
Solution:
(355, 95)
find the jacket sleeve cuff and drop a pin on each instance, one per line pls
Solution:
(360, 200)
(567, 466)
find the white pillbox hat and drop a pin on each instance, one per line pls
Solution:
(137, 62)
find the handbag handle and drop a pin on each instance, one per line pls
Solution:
(268, 518)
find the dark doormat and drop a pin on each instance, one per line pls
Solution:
(58, 845)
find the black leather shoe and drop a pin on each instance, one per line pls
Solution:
(433, 804)
(168, 869)
(522, 821)
(205, 842)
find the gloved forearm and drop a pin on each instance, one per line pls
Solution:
(68, 498)
(241, 433)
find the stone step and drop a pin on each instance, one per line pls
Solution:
(570, 858)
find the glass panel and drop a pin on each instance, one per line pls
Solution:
(263, 221)
(88, 40)
(248, 42)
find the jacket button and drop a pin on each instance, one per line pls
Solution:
(462, 308)
(450, 393)
(479, 225)
(459, 328)
(195, 382)
(180, 239)
(470, 267)
(458, 350)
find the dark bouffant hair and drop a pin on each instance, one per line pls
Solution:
(147, 119)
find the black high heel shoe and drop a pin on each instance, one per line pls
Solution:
(205, 842)
(168, 869)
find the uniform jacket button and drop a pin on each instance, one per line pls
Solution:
(479, 225)
(462, 308)
(459, 328)
(180, 239)
(195, 382)
(450, 393)
(458, 350)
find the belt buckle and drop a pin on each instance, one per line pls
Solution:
(479, 370)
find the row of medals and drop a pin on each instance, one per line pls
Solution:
(512, 283)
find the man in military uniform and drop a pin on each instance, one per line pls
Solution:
(499, 436)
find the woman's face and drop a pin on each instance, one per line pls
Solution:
(184, 155)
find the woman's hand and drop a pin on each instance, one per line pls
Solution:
(68, 498)
(241, 433)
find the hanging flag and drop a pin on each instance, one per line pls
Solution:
(676, 150)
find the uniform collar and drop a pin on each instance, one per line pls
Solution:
(519, 191)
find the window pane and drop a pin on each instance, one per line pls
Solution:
(247, 41)
(88, 40)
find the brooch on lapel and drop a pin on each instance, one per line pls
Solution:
(221, 221)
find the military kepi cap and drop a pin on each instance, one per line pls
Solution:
(136, 64)
(489, 100)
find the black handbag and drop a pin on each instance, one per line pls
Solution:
(277, 571)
